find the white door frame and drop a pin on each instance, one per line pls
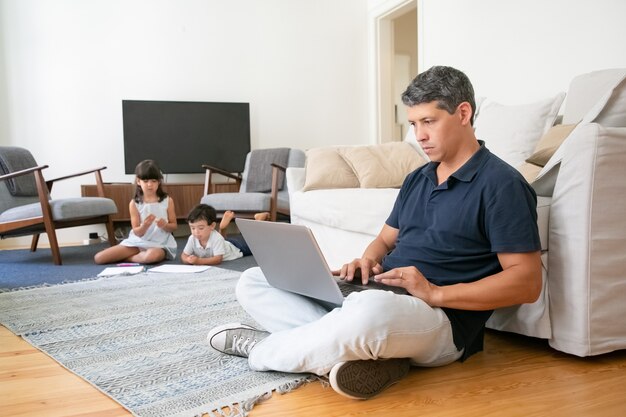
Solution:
(380, 27)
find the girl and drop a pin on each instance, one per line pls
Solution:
(153, 219)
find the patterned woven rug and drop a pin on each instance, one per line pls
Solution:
(141, 340)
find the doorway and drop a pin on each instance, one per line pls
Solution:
(396, 64)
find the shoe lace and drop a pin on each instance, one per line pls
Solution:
(243, 345)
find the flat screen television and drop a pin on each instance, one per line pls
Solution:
(181, 136)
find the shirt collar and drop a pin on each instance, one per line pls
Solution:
(469, 169)
(467, 172)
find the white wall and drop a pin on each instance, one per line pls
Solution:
(67, 65)
(521, 51)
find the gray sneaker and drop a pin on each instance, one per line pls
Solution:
(235, 338)
(361, 380)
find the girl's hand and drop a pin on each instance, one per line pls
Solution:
(161, 223)
(149, 220)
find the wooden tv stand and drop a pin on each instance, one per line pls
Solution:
(185, 195)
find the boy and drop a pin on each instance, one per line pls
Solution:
(205, 247)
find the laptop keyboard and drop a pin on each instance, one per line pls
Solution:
(348, 287)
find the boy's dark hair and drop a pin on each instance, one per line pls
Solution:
(202, 212)
(448, 86)
(148, 170)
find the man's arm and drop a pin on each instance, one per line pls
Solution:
(518, 283)
(369, 263)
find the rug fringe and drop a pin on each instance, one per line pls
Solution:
(46, 285)
(244, 407)
(248, 405)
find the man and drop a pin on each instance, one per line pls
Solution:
(462, 239)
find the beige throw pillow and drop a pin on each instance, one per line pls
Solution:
(529, 171)
(546, 147)
(549, 143)
(325, 168)
(382, 166)
(541, 157)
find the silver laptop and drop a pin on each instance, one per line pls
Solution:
(291, 260)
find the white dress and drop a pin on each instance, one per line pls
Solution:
(155, 237)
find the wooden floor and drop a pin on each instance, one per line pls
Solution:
(514, 376)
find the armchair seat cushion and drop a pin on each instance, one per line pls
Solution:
(243, 201)
(64, 209)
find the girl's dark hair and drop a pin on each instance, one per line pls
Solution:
(202, 212)
(148, 170)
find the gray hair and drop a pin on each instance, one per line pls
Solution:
(448, 86)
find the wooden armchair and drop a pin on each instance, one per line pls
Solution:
(256, 194)
(27, 209)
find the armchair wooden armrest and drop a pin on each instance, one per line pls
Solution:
(210, 170)
(22, 172)
(280, 167)
(78, 174)
(274, 195)
(97, 171)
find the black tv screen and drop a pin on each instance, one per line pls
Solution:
(181, 136)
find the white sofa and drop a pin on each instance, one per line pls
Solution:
(581, 211)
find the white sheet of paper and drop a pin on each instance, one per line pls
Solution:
(181, 269)
(121, 270)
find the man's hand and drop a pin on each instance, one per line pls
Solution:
(368, 265)
(412, 280)
(363, 267)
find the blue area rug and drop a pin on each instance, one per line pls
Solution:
(141, 340)
(25, 269)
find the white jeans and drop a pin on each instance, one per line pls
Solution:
(374, 324)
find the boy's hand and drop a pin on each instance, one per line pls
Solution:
(192, 259)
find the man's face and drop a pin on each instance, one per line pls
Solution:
(437, 131)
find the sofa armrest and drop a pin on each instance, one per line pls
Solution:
(543, 218)
(295, 179)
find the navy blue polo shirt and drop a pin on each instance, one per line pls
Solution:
(452, 232)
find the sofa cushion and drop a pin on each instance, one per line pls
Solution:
(512, 132)
(382, 166)
(549, 143)
(598, 96)
(325, 168)
(374, 166)
(354, 209)
(613, 114)
(529, 171)
(546, 147)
